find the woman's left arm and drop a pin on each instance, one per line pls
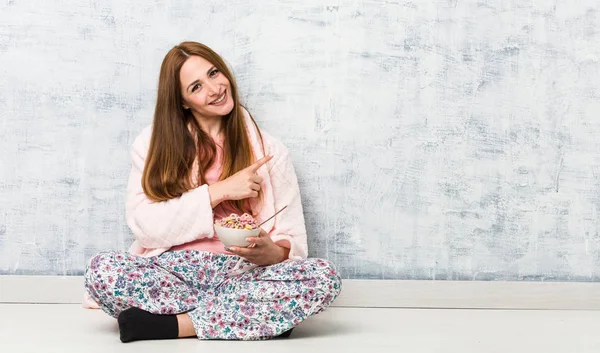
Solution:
(289, 230)
(288, 238)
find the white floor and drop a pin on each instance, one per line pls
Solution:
(68, 328)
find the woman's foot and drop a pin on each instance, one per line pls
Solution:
(136, 324)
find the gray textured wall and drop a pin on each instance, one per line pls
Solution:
(432, 140)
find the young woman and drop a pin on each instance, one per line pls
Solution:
(204, 158)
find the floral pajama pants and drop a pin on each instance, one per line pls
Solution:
(259, 303)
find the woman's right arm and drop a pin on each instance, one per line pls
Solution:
(166, 223)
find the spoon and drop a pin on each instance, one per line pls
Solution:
(276, 213)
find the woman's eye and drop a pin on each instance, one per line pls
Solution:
(214, 72)
(196, 86)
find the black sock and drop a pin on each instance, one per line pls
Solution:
(136, 324)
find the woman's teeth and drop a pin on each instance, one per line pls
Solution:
(219, 100)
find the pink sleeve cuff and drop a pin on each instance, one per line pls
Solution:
(297, 251)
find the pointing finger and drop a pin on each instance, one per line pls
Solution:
(256, 165)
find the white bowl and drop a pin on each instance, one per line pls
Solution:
(235, 237)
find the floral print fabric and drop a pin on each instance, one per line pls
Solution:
(258, 303)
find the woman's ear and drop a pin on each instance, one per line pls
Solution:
(185, 107)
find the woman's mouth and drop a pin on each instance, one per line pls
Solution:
(221, 100)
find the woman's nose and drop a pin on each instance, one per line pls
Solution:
(213, 88)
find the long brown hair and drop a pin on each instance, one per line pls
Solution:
(174, 148)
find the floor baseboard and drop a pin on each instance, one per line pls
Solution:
(367, 293)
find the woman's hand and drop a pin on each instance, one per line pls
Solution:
(263, 250)
(242, 185)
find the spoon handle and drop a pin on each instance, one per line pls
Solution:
(276, 213)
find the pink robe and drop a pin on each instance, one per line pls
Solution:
(187, 222)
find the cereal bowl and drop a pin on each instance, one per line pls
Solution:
(235, 237)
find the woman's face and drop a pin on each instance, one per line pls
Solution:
(205, 90)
